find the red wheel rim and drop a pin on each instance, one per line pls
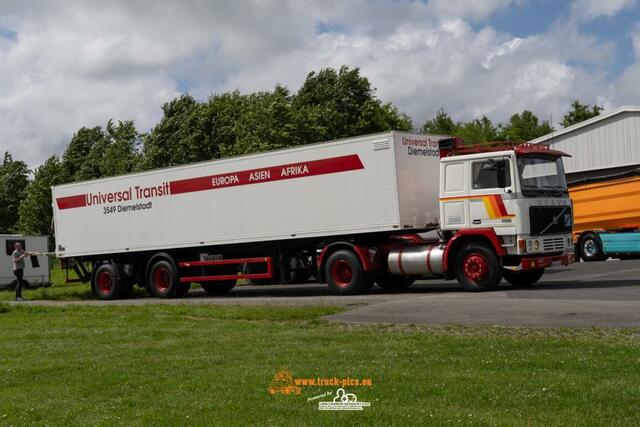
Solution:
(161, 279)
(105, 284)
(342, 273)
(475, 267)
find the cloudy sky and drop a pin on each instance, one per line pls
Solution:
(66, 64)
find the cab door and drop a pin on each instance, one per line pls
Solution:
(454, 191)
(492, 188)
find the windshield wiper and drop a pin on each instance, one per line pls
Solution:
(554, 220)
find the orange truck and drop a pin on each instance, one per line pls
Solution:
(607, 216)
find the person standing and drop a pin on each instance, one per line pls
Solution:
(18, 257)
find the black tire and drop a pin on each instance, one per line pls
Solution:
(345, 274)
(522, 278)
(106, 282)
(219, 287)
(392, 282)
(591, 248)
(477, 267)
(163, 279)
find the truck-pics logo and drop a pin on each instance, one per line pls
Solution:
(211, 182)
(343, 401)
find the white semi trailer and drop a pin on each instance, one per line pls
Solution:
(350, 212)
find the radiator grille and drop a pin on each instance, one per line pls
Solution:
(553, 244)
(550, 219)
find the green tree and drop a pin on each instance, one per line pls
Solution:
(524, 127)
(337, 104)
(182, 136)
(477, 131)
(120, 154)
(440, 124)
(266, 122)
(13, 184)
(75, 157)
(35, 209)
(580, 112)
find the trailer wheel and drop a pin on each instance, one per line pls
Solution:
(591, 248)
(522, 278)
(477, 267)
(107, 284)
(345, 274)
(392, 282)
(218, 288)
(163, 279)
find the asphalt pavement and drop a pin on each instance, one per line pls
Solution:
(599, 294)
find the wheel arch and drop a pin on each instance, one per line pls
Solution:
(156, 257)
(361, 253)
(463, 237)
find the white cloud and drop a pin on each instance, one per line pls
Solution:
(473, 10)
(79, 63)
(592, 9)
(635, 40)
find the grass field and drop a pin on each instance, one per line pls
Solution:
(212, 365)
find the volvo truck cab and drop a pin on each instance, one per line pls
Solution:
(515, 192)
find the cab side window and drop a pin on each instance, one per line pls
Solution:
(491, 173)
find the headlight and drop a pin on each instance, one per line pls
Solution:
(533, 245)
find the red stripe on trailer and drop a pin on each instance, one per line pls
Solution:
(331, 165)
(429, 260)
(70, 202)
(272, 173)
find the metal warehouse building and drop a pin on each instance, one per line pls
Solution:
(605, 145)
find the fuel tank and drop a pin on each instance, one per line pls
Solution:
(419, 260)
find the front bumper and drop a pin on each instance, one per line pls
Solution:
(536, 263)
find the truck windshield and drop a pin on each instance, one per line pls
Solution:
(541, 176)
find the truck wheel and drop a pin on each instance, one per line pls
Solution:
(392, 282)
(218, 288)
(477, 267)
(522, 278)
(345, 274)
(163, 279)
(107, 284)
(591, 248)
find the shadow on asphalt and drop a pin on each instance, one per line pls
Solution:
(315, 289)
